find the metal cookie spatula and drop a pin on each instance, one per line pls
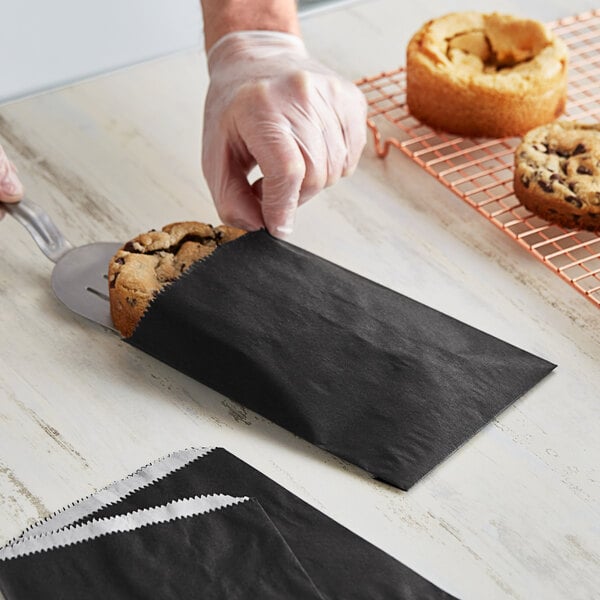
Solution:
(79, 278)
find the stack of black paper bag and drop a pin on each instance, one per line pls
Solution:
(200, 523)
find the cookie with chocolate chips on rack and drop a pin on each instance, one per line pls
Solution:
(152, 260)
(557, 174)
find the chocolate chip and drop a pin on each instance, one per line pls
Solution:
(579, 149)
(524, 181)
(547, 187)
(563, 153)
(582, 170)
(120, 260)
(554, 177)
(572, 186)
(563, 167)
(575, 201)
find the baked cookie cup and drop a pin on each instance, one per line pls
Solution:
(488, 75)
(557, 174)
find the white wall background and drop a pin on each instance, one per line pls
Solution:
(48, 43)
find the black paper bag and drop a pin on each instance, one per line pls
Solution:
(342, 565)
(372, 376)
(232, 552)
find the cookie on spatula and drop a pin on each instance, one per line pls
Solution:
(152, 260)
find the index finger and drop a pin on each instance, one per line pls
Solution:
(283, 167)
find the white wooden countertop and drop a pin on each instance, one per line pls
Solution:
(515, 513)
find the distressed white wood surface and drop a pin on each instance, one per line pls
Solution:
(515, 513)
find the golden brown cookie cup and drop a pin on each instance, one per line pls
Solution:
(485, 75)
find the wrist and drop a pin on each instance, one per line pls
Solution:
(223, 17)
(238, 46)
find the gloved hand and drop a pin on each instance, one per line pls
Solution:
(11, 189)
(270, 104)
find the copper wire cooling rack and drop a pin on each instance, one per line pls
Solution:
(480, 171)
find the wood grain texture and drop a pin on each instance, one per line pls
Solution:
(512, 514)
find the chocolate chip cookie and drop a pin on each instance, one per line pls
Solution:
(149, 262)
(557, 174)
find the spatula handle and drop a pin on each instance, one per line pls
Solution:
(40, 226)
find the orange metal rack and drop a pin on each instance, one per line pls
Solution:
(480, 171)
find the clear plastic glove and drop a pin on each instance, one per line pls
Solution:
(270, 104)
(11, 189)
